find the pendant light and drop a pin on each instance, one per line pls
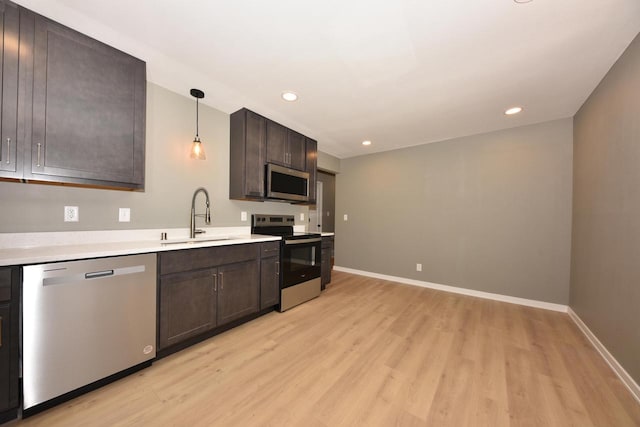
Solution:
(197, 151)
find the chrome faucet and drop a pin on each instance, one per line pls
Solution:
(206, 214)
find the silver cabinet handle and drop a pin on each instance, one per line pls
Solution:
(8, 150)
(215, 283)
(221, 281)
(277, 268)
(39, 152)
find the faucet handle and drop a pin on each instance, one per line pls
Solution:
(199, 231)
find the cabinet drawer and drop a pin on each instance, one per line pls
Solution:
(270, 249)
(194, 259)
(5, 284)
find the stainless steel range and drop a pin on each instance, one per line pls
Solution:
(300, 266)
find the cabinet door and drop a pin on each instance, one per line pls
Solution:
(325, 267)
(5, 356)
(255, 155)
(311, 168)
(10, 158)
(88, 110)
(238, 290)
(247, 154)
(9, 340)
(187, 305)
(269, 282)
(297, 150)
(277, 144)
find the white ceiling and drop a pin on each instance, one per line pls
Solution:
(398, 73)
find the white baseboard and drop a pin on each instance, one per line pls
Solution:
(608, 357)
(456, 290)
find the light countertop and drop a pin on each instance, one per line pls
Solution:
(37, 248)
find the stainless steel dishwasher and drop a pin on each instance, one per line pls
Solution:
(84, 321)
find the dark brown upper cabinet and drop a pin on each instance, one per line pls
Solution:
(311, 148)
(285, 147)
(10, 152)
(256, 141)
(277, 143)
(81, 108)
(297, 150)
(247, 155)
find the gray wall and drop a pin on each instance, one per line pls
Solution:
(605, 262)
(488, 212)
(329, 163)
(171, 178)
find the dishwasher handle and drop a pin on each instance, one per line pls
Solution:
(59, 276)
(96, 274)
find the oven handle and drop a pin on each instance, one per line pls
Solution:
(302, 241)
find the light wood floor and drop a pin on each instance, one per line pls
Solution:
(373, 353)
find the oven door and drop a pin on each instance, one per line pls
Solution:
(300, 260)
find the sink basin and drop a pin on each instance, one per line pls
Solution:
(198, 240)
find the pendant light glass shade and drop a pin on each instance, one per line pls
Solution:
(197, 150)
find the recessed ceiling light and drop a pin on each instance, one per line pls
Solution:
(523, 1)
(513, 110)
(366, 142)
(289, 96)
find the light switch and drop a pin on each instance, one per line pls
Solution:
(124, 215)
(346, 217)
(243, 216)
(301, 216)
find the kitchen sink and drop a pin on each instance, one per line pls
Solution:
(198, 240)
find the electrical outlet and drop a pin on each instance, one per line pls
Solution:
(301, 216)
(124, 215)
(346, 217)
(243, 216)
(71, 214)
(418, 267)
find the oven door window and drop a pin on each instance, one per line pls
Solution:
(300, 263)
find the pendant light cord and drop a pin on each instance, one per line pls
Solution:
(197, 118)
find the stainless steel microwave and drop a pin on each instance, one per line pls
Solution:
(286, 184)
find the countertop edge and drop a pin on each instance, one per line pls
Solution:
(49, 254)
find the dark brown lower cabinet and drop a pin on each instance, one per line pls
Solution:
(204, 288)
(326, 260)
(187, 305)
(270, 275)
(238, 291)
(9, 316)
